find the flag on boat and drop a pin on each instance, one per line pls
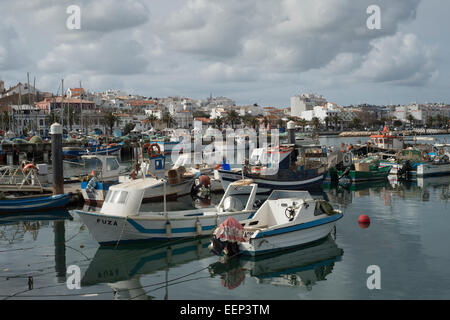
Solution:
(230, 230)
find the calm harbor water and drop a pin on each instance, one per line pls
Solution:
(408, 239)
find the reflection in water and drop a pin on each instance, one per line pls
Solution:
(60, 250)
(13, 227)
(123, 267)
(389, 190)
(303, 266)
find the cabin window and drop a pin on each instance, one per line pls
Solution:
(122, 197)
(111, 164)
(117, 197)
(109, 196)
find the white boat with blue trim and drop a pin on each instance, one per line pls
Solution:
(121, 219)
(287, 219)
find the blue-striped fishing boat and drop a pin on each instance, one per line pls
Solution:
(287, 219)
(41, 203)
(121, 218)
(74, 153)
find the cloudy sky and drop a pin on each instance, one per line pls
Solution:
(260, 51)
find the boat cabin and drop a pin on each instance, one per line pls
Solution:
(107, 167)
(125, 199)
(387, 141)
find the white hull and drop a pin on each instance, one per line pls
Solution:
(427, 169)
(109, 230)
(286, 240)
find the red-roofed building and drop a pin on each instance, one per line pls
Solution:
(72, 93)
(50, 104)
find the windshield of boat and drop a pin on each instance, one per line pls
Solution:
(112, 164)
(116, 196)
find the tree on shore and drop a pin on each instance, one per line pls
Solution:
(336, 120)
(327, 122)
(429, 121)
(233, 118)
(355, 123)
(218, 122)
(438, 120)
(110, 120)
(5, 120)
(303, 123)
(410, 119)
(315, 122)
(152, 119)
(266, 121)
(169, 119)
(128, 128)
(254, 123)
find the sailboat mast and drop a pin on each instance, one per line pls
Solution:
(36, 112)
(81, 110)
(62, 104)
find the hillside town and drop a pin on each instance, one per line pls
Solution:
(26, 111)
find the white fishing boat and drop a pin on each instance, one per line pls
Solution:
(287, 219)
(433, 169)
(151, 176)
(122, 220)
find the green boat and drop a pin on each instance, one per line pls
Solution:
(369, 173)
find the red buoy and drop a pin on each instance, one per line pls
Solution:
(364, 221)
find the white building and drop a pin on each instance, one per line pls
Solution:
(420, 112)
(155, 112)
(182, 113)
(321, 112)
(250, 110)
(305, 102)
(21, 88)
(218, 112)
(28, 118)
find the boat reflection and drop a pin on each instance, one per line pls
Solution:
(121, 268)
(13, 227)
(303, 266)
(390, 189)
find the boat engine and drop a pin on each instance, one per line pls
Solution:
(405, 169)
(203, 189)
(218, 246)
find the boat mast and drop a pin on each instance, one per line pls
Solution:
(29, 97)
(34, 98)
(81, 110)
(62, 104)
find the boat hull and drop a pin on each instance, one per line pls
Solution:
(266, 186)
(358, 176)
(289, 237)
(429, 170)
(110, 230)
(35, 204)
